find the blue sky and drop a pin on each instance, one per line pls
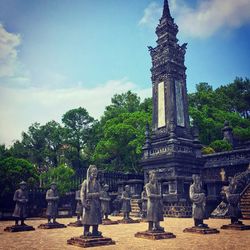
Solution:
(62, 54)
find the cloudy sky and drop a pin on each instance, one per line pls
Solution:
(62, 54)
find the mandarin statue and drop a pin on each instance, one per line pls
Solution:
(198, 198)
(105, 202)
(21, 197)
(79, 207)
(90, 197)
(233, 200)
(52, 197)
(126, 200)
(144, 201)
(154, 203)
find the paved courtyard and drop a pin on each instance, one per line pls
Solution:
(55, 239)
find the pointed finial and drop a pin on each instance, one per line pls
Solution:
(166, 11)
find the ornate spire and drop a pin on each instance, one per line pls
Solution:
(166, 11)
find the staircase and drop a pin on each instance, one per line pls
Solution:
(135, 208)
(245, 203)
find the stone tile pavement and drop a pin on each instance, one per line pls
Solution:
(123, 234)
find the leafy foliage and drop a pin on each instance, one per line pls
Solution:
(220, 146)
(62, 175)
(13, 171)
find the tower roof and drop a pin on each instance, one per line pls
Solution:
(166, 11)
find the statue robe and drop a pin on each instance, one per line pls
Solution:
(233, 206)
(52, 199)
(126, 198)
(79, 207)
(198, 197)
(21, 198)
(154, 204)
(105, 202)
(91, 203)
(144, 200)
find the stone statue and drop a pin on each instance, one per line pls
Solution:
(21, 197)
(52, 197)
(198, 197)
(154, 203)
(144, 201)
(105, 202)
(126, 199)
(90, 197)
(79, 207)
(233, 199)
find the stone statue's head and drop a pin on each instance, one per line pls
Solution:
(127, 188)
(196, 178)
(106, 187)
(23, 185)
(92, 172)
(152, 176)
(53, 186)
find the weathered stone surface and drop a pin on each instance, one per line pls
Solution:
(109, 222)
(85, 242)
(236, 227)
(51, 226)
(19, 228)
(77, 223)
(128, 221)
(155, 235)
(201, 230)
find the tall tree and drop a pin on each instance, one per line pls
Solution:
(77, 123)
(121, 146)
(53, 135)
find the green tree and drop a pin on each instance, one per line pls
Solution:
(121, 103)
(210, 108)
(53, 135)
(78, 124)
(13, 171)
(34, 142)
(121, 147)
(62, 175)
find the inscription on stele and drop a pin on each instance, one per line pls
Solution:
(161, 105)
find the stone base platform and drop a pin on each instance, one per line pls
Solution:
(75, 224)
(90, 241)
(109, 222)
(19, 228)
(201, 230)
(239, 227)
(51, 226)
(155, 235)
(128, 221)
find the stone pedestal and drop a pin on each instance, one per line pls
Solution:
(75, 224)
(155, 235)
(90, 241)
(109, 222)
(236, 227)
(19, 228)
(201, 230)
(128, 221)
(51, 226)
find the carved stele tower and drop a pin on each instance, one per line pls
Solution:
(170, 148)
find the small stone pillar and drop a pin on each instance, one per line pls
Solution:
(228, 133)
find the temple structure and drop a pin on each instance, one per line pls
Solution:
(170, 147)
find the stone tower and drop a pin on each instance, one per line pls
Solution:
(170, 147)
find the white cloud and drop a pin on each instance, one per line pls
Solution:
(211, 16)
(22, 107)
(8, 52)
(205, 19)
(151, 15)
